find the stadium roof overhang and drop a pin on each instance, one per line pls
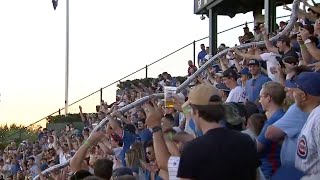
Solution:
(232, 7)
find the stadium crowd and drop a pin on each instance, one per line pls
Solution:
(253, 115)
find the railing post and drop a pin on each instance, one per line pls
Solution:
(194, 53)
(59, 111)
(101, 95)
(146, 71)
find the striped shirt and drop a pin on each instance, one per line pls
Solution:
(308, 146)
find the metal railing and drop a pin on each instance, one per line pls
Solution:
(193, 43)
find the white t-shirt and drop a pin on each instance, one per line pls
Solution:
(33, 171)
(63, 157)
(272, 62)
(173, 165)
(237, 95)
(308, 145)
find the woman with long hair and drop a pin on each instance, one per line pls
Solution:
(132, 161)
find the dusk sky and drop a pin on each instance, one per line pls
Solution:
(108, 40)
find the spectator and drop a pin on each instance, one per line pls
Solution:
(152, 168)
(218, 78)
(247, 37)
(306, 93)
(272, 96)
(269, 57)
(245, 76)
(254, 85)
(283, 46)
(201, 55)
(254, 125)
(224, 91)
(258, 36)
(168, 123)
(237, 94)
(192, 68)
(143, 132)
(195, 162)
(288, 127)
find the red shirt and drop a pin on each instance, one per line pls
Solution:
(190, 68)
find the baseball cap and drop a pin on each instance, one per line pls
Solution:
(253, 62)
(216, 68)
(222, 87)
(218, 74)
(230, 73)
(201, 94)
(307, 82)
(245, 71)
(121, 172)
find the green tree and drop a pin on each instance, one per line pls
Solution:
(16, 133)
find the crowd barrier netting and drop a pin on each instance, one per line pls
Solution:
(288, 28)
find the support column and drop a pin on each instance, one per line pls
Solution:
(270, 15)
(213, 31)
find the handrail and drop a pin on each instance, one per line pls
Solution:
(185, 84)
(226, 30)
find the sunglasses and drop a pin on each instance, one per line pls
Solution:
(149, 153)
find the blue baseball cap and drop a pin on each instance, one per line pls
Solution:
(253, 62)
(307, 82)
(245, 71)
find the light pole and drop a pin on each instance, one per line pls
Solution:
(67, 60)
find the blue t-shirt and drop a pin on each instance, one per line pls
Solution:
(15, 168)
(270, 156)
(145, 135)
(291, 123)
(128, 139)
(156, 176)
(254, 86)
(196, 131)
(174, 82)
(201, 55)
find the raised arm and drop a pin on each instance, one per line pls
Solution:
(122, 118)
(55, 141)
(268, 43)
(247, 56)
(312, 48)
(77, 160)
(81, 114)
(314, 8)
(154, 116)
